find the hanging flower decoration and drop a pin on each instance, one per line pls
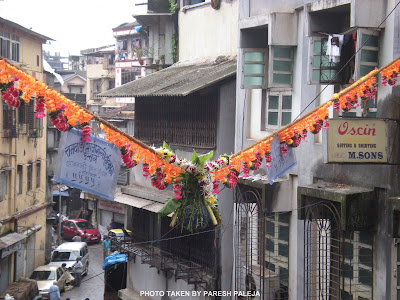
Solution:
(10, 93)
(196, 182)
(58, 119)
(40, 107)
(86, 132)
(194, 198)
(390, 74)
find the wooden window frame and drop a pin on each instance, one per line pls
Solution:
(265, 69)
(279, 110)
(272, 58)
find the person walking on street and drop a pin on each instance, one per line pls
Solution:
(84, 237)
(54, 292)
(69, 278)
(77, 238)
(77, 267)
(106, 246)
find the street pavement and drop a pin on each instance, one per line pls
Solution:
(92, 285)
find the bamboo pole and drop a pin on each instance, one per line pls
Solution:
(341, 93)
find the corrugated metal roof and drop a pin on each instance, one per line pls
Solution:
(177, 80)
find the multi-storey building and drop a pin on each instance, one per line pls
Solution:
(130, 50)
(328, 229)
(100, 72)
(22, 164)
(189, 105)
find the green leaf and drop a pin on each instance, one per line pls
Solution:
(195, 158)
(205, 157)
(165, 145)
(170, 206)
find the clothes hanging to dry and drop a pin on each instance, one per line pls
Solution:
(334, 47)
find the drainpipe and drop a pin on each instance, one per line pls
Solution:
(59, 214)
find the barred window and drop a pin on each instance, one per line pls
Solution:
(29, 178)
(184, 121)
(277, 246)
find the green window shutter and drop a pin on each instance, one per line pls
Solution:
(253, 69)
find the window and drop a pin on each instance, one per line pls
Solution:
(277, 245)
(22, 119)
(158, 120)
(34, 125)
(29, 178)
(278, 109)
(9, 122)
(367, 57)
(19, 179)
(15, 48)
(192, 2)
(363, 43)
(3, 185)
(111, 84)
(128, 75)
(254, 66)
(358, 264)
(123, 44)
(281, 66)
(37, 60)
(75, 89)
(5, 41)
(38, 174)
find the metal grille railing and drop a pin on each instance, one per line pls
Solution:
(261, 248)
(338, 264)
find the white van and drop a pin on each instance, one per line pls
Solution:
(68, 252)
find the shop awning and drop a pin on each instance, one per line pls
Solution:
(10, 243)
(134, 196)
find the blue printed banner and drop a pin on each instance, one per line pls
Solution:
(280, 165)
(89, 166)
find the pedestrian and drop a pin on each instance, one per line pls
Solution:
(84, 237)
(77, 267)
(54, 292)
(69, 279)
(106, 246)
(77, 238)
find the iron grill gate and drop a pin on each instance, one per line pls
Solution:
(337, 264)
(261, 248)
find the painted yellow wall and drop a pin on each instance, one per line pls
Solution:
(22, 151)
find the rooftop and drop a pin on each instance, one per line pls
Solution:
(180, 79)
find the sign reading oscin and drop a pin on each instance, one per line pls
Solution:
(357, 141)
(89, 166)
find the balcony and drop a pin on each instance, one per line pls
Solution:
(186, 267)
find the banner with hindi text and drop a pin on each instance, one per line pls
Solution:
(90, 166)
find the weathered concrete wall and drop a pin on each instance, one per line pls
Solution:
(206, 32)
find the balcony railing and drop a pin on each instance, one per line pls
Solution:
(173, 264)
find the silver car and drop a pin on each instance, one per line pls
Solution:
(46, 275)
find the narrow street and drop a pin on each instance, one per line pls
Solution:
(92, 285)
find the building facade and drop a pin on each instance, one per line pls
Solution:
(189, 105)
(328, 228)
(100, 72)
(23, 203)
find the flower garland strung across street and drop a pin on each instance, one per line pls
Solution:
(195, 182)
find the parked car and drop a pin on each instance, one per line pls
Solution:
(46, 275)
(68, 252)
(73, 227)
